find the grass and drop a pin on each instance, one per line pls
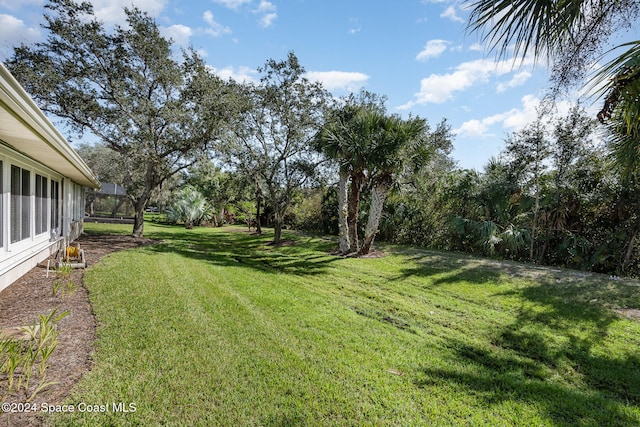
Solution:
(215, 327)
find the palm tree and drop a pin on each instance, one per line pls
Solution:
(330, 141)
(571, 35)
(363, 132)
(190, 207)
(621, 109)
(347, 140)
(396, 143)
(346, 137)
(364, 140)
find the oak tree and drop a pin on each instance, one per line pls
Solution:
(125, 87)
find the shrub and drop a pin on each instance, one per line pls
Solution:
(189, 207)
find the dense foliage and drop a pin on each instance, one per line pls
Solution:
(125, 87)
(270, 134)
(189, 207)
(280, 152)
(552, 197)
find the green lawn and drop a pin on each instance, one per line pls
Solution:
(215, 327)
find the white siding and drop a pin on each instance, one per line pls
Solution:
(34, 222)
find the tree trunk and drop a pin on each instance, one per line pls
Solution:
(378, 196)
(343, 212)
(357, 179)
(119, 201)
(138, 222)
(534, 226)
(629, 251)
(221, 216)
(278, 219)
(258, 213)
(139, 204)
(536, 210)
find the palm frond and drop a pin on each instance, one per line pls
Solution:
(189, 207)
(619, 82)
(625, 150)
(538, 27)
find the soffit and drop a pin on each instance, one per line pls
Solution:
(27, 130)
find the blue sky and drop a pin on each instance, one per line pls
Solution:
(415, 52)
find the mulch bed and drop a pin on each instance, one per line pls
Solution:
(32, 295)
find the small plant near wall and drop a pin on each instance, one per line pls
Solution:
(63, 282)
(25, 356)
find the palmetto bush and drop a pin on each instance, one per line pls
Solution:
(490, 238)
(189, 207)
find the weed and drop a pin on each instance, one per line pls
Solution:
(64, 280)
(19, 357)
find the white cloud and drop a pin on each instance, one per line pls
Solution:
(265, 7)
(451, 14)
(268, 12)
(240, 75)
(516, 118)
(343, 80)
(214, 29)
(180, 34)
(354, 26)
(472, 128)
(432, 49)
(232, 4)
(518, 80)
(112, 11)
(476, 47)
(511, 120)
(267, 20)
(440, 88)
(14, 31)
(207, 17)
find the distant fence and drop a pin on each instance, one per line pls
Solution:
(108, 220)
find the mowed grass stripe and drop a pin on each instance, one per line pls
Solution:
(216, 324)
(216, 328)
(208, 301)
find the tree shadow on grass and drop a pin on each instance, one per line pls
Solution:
(560, 353)
(580, 314)
(494, 377)
(244, 250)
(552, 357)
(442, 273)
(563, 405)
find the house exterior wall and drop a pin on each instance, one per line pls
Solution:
(41, 212)
(41, 184)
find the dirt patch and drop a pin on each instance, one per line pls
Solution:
(372, 254)
(32, 295)
(630, 313)
(281, 243)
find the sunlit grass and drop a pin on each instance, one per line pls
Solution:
(216, 327)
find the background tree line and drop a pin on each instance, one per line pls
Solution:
(282, 152)
(554, 196)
